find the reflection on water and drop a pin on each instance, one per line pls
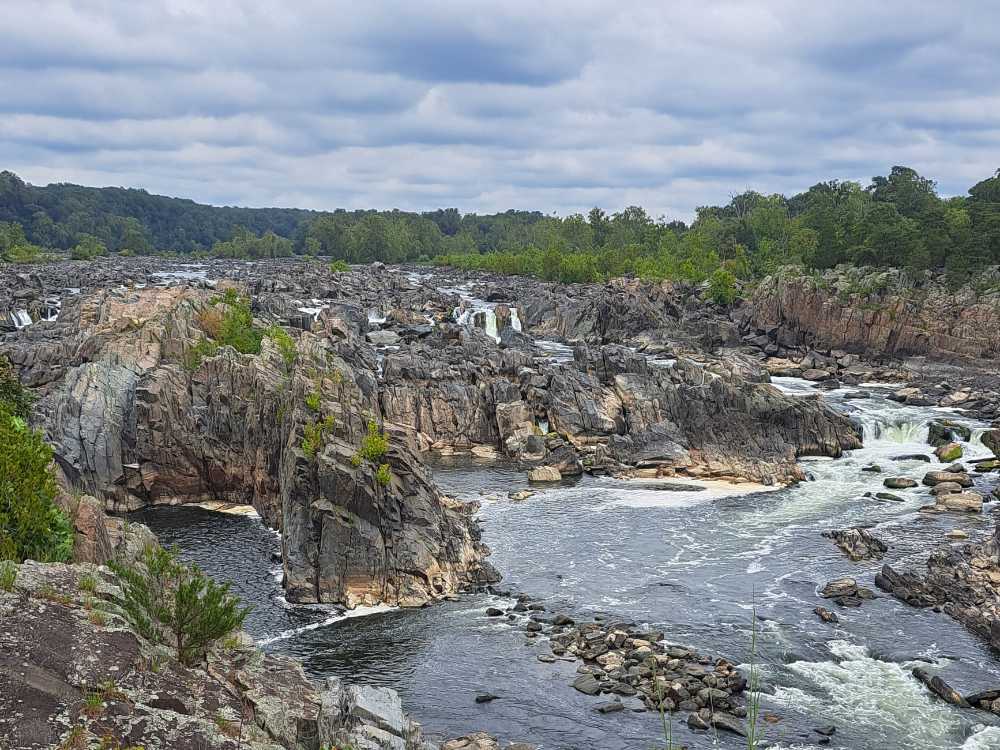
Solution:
(697, 563)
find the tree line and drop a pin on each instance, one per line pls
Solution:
(897, 220)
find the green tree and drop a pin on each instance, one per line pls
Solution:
(31, 526)
(164, 599)
(88, 247)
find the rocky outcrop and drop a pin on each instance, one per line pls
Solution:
(858, 543)
(136, 420)
(962, 579)
(879, 313)
(73, 673)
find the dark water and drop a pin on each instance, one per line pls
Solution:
(697, 564)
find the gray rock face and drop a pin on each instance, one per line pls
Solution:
(133, 424)
(963, 579)
(858, 543)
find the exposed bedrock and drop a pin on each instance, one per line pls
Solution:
(880, 313)
(135, 421)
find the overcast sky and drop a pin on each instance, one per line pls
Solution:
(556, 106)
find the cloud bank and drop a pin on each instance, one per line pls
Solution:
(551, 105)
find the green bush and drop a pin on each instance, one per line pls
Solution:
(237, 328)
(285, 343)
(8, 575)
(199, 352)
(165, 600)
(87, 248)
(313, 401)
(339, 266)
(722, 287)
(375, 444)
(383, 475)
(314, 435)
(13, 396)
(31, 526)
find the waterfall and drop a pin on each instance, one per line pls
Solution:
(21, 319)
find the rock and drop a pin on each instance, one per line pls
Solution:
(839, 588)
(383, 338)
(816, 374)
(858, 543)
(957, 534)
(587, 684)
(826, 615)
(949, 452)
(728, 722)
(939, 687)
(890, 497)
(945, 488)
(545, 474)
(912, 457)
(485, 697)
(475, 741)
(695, 721)
(969, 502)
(827, 731)
(872, 469)
(609, 707)
(932, 478)
(494, 612)
(991, 439)
(942, 432)
(62, 655)
(899, 483)
(521, 495)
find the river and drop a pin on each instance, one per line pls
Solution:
(709, 567)
(697, 564)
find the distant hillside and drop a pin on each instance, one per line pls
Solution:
(56, 215)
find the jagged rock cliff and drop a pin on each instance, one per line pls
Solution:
(134, 423)
(879, 312)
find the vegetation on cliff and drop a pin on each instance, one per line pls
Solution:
(31, 526)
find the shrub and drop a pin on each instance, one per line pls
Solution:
(356, 460)
(285, 343)
(87, 583)
(722, 287)
(313, 436)
(8, 575)
(237, 328)
(210, 320)
(31, 526)
(313, 401)
(383, 475)
(375, 444)
(15, 397)
(197, 353)
(339, 266)
(164, 599)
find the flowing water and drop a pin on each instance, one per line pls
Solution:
(697, 563)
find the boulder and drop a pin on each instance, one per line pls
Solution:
(858, 543)
(932, 478)
(991, 439)
(899, 483)
(968, 502)
(545, 474)
(948, 452)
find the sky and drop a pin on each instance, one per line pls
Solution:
(547, 105)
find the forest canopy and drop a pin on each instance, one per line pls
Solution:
(896, 220)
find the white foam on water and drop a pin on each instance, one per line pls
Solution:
(985, 738)
(871, 696)
(638, 497)
(351, 613)
(21, 319)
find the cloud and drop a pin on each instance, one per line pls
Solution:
(554, 106)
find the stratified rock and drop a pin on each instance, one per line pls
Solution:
(941, 432)
(991, 439)
(939, 687)
(839, 587)
(967, 502)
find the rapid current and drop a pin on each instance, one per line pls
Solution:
(701, 565)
